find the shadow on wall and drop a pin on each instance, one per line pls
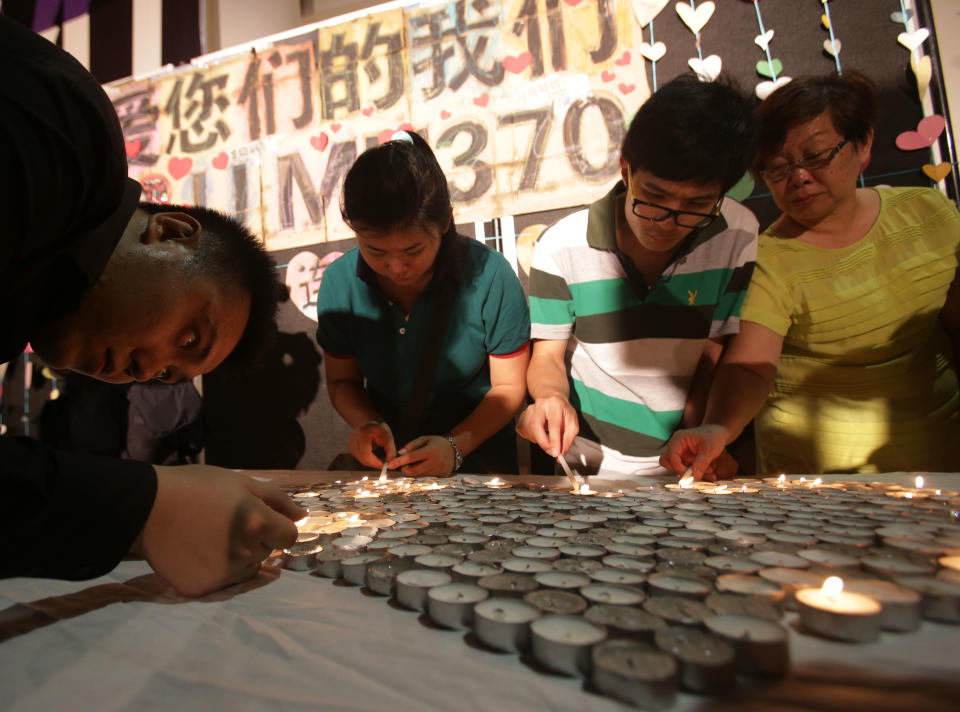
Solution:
(254, 419)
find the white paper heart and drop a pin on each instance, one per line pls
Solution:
(899, 17)
(763, 41)
(646, 10)
(912, 40)
(832, 47)
(653, 52)
(708, 69)
(695, 19)
(765, 89)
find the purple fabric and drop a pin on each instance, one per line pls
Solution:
(45, 12)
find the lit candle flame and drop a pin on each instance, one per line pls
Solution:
(781, 479)
(818, 481)
(301, 522)
(908, 495)
(832, 586)
(585, 489)
(743, 489)
(686, 482)
(364, 478)
(383, 477)
(802, 480)
(919, 482)
(720, 488)
(496, 481)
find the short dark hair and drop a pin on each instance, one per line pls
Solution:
(234, 258)
(850, 98)
(693, 130)
(397, 185)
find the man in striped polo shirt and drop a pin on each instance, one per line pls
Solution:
(632, 298)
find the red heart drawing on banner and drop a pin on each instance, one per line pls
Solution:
(444, 114)
(626, 88)
(607, 76)
(132, 148)
(368, 111)
(517, 64)
(482, 100)
(320, 142)
(179, 167)
(573, 3)
(928, 130)
(334, 127)
(220, 161)
(624, 60)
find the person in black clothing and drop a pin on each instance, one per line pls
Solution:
(102, 285)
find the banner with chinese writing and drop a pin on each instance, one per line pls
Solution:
(525, 103)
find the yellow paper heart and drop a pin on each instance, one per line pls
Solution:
(936, 173)
(921, 70)
(825, 20)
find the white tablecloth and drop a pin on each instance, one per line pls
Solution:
(290, 641)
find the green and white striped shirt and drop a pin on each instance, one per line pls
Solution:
(632, 355)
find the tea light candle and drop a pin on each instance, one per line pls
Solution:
(732, 564)
(940, 597)
(452, 605)
(609, 593)
(834, 613)
(635, 674)
(760, 646)
(625, 621)
(472, 571)
(779, 559)
(618, 576)
(302, 556)
(509, 584)
(381, 577)
(328, 562)
(563, 580)
(900, 606)
(355, 567)
(677, 610)
(412, 587)
(527, 566)
(536, 552)
(556, 601)
(440, 562)
(747, 585)
(829, 558)
(723, 603)
(706, 662)
(504, 623)
(661, 584)
(563, 643)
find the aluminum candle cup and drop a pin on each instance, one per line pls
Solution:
(667, 585)
(355, 567)
(834, 613)
(900, 606)
(504, 623)
(440, 562)
(564, 580)
(634, 673)
(302, 556)
(380, 578)
(526, 566)
(761, 646)
(721, 603)
(940, 597)
(452, 605)
(411, 587)
(618, 576)
(706, 662)
(563, 643)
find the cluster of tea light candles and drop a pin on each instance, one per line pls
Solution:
(648, 588)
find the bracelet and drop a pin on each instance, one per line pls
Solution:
(457, 455)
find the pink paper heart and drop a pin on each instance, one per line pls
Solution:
(179, 167)
(517, 64)
(444, 114)
(320, 142)
(626, 88)
(624, 59)
(481, 100)
(367, 112)
(607, 76)
(220, 160)
(335, 127)
(928, 130)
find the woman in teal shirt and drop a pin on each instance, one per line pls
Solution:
(376, 307)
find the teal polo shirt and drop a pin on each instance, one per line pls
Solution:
(489, 317)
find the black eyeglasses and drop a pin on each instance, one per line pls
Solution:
(658, 213)
(808, 163)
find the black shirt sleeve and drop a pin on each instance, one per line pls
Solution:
(68, 515)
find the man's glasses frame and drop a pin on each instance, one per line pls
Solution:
(818, 160)
(659, 213)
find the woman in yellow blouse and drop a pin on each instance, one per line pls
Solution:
(846, 355)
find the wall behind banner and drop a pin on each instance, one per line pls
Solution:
(525, 103)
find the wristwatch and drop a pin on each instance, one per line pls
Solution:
(457, 455)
